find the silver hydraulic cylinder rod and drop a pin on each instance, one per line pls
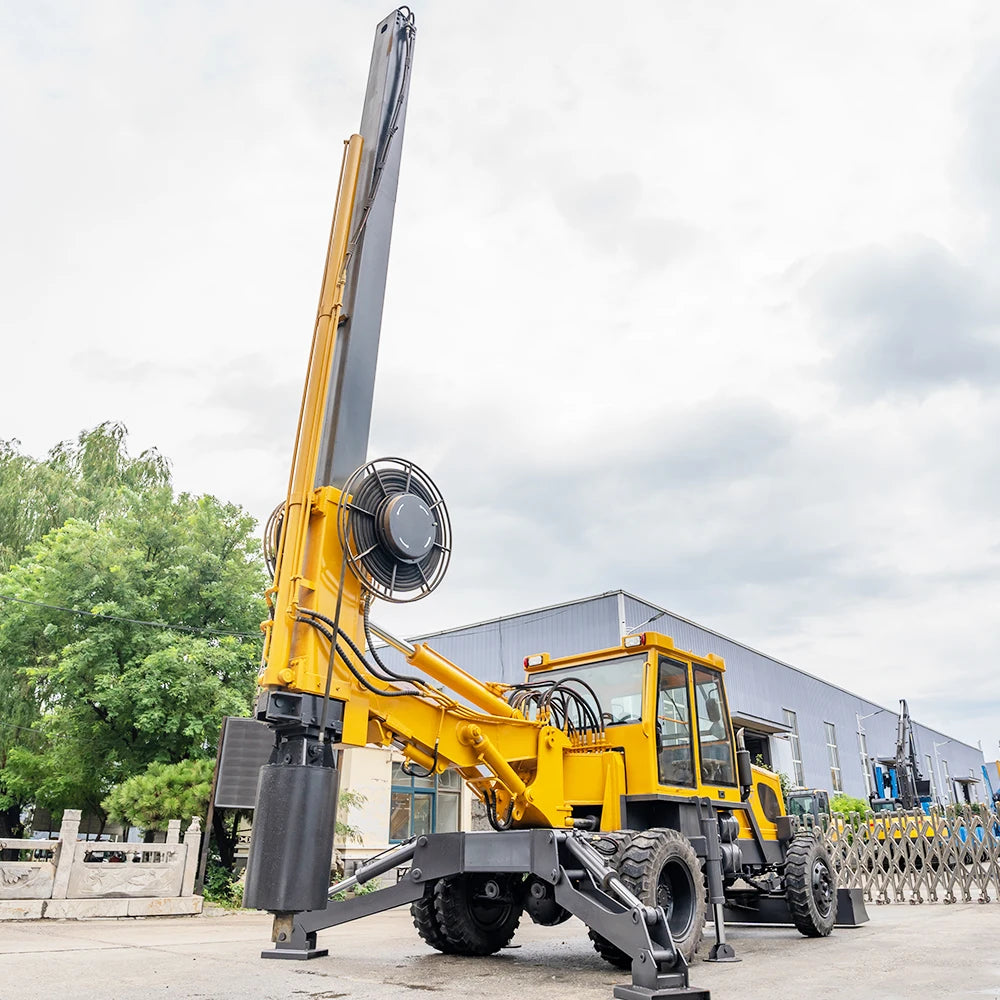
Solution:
(375, 867)
(406, 648)
(608, 878)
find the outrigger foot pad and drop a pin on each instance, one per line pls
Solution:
(722, 952)
(295, 954)
(630, 992)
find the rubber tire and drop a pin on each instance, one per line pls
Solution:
(473, 927)
(641, 867)
(813, 908)
(611, 846)
(425, 920)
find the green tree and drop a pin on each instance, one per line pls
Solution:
(89, 477)
(786, 782)
(847, 804)
(163, 792)
(113, 695)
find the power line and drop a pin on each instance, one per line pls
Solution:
(131, 621)
(23, 729)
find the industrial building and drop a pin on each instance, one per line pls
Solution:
(816, 732)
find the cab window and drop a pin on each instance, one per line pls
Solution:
(713, 729)
(615, 685)
(673, 724)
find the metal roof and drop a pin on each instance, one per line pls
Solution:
(659, 612)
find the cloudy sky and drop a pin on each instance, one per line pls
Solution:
(696, 300)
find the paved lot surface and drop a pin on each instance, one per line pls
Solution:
(906, 951)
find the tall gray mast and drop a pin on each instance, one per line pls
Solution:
(344, 445)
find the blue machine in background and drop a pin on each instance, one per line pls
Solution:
(994, 791)
(898, 781)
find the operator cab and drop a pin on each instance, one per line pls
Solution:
(803, 802)
(648, 691)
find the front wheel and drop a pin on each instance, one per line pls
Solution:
(810, 885)
(611, 846)
(662, 869)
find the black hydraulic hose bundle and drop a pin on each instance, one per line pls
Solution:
(359, 677)
(567, 708)
(387, 675)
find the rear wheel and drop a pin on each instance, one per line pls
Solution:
(811, 885)
(425, 920)
(477, 914)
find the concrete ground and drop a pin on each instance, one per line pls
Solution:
(905, 951)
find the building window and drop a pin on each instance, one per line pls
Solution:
(866, 761)
(933, 776)
(793, 741)
(423, 804)
(834, 755)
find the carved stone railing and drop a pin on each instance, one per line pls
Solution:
(61, 878)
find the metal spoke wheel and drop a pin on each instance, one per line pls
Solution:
(811, 885)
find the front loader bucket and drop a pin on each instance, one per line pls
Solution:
(851, 910)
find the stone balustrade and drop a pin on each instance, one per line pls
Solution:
(73, 878)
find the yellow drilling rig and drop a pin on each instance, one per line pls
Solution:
(615, 786)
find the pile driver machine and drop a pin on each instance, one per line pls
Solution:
(615, 786)
(898, 781)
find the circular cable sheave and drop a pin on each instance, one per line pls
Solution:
(394, 529)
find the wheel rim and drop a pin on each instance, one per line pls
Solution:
(490, 904)
(822, 886)
(675, 893)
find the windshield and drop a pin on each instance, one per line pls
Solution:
(617, 685)
(800, 805)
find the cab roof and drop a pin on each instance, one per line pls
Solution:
(630, 644)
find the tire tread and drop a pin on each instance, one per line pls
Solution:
(457, 925)
(798, 892)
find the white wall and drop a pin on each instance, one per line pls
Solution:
(369, 770)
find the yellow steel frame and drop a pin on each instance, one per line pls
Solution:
(307, 573)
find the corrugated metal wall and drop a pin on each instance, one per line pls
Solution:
(495, 650)
(757, 685)
(761, 686)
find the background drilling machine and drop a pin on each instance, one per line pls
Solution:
(614, 784)
(898, 781)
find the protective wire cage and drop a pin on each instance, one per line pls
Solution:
(394, 529)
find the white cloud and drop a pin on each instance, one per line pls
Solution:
(602, 333)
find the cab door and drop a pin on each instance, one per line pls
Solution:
(716, 759)
(674, 732)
